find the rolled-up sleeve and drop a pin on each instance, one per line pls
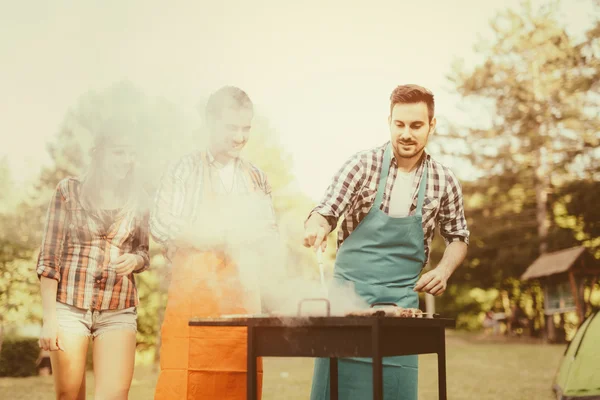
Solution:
(49, 258)
(451, 217)
(166, 220)
(341, 191)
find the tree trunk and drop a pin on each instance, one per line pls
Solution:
(1, 334)
(542, 180)
(541, 197)
(550, 329)
(538, 308)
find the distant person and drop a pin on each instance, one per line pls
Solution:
(213, 209)
(518, 320)
(491, 323)
(391, 199)
(96, 238)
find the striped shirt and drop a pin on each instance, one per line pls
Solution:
(77, 248)
(179, 197)
(352, 194)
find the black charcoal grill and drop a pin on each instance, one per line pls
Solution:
(336, 337)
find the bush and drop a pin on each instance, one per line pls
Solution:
(18, 357)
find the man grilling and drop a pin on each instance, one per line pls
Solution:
(213, 212)
(391, 197)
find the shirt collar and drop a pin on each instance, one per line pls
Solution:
(212, 161)
(210, 158)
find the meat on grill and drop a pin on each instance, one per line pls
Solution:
(388, 311)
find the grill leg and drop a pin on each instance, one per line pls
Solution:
(441, 356)
(333, 378)
(251, 366)
(377, 362)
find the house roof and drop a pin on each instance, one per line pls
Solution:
(553, 263)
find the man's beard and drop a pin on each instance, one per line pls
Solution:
(401, 153)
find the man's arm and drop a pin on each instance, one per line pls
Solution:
(454, 255)
(453, 228)
(435, 281)
(339, 195)
(55, 233)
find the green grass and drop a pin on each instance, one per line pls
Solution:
(476, 369)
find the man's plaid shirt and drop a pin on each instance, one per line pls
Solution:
(352, 193)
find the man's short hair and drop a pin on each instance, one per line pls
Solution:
(413, 94)
(227, 96)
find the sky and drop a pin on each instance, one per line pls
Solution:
(321, 72)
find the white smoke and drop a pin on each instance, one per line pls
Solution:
(258, 249)
(168, 131)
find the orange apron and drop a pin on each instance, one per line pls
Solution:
(205, 362)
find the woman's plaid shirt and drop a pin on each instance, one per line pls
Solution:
(76, 251)
(352, 193)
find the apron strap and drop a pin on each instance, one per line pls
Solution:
(251, 178)
(242, 171)
(207, 191)
(422, 187)
(385, 169)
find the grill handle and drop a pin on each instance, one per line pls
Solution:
(326, 301)
(384, 304)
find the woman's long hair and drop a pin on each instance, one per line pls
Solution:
(128, 189)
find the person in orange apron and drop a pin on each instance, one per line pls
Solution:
(214, 215)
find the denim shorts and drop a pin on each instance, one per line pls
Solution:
(94, 322)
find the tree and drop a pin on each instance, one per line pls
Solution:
(538, 81)
(16, 258)
(543, 132)
(540, 87)
(576, 211)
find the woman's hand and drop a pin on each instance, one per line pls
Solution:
(127, 263)
(49, 339)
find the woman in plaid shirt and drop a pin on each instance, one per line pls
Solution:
(96, 238)
(391, 198)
